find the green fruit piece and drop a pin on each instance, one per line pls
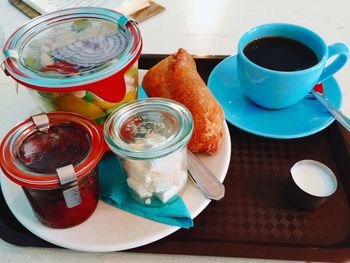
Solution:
(81, 24)
(105, 105)
(100, 120)
(89, 96)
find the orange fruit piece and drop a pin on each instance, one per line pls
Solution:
(71, 103)
(105, 104)
(129, 96)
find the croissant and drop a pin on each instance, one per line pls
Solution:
(176, 77)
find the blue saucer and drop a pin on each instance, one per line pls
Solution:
(304, 118)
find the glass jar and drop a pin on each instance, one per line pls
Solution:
(150, 136)
(54, 158)
(81, 60)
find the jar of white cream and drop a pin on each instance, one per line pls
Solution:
(150, 136)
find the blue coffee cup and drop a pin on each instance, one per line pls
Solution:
(273, 89)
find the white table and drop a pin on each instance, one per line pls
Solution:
(203, 28)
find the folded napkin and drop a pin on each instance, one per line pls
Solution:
(114, 191)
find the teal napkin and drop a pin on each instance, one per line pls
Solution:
(114, 191)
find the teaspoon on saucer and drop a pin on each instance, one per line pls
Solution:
(337, 114)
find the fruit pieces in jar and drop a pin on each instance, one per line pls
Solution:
(60, 67)
(84, 44)
(73, 49)
(69, 102)
(86, 102)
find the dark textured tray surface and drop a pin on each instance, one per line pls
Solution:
(255, 207)
(254, 219)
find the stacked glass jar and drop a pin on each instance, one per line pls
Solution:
(80, 65)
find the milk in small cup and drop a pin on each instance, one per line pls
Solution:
(311, 183)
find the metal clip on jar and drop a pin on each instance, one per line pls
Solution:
(150, 136)
(81, 60)
(54, 158)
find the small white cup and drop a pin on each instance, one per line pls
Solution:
(310, 184)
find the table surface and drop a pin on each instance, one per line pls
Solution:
(202, 27)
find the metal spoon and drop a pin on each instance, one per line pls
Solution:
(211, 187)
(337, 114)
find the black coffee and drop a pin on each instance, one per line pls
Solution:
(280, 53)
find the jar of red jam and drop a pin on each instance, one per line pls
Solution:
(82, 60)
(54, 158)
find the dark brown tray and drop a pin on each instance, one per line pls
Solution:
(254, 219)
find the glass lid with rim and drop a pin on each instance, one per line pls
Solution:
(72, 47)
(30, 154)
(149, 128)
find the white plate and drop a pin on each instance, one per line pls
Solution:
(111, 229)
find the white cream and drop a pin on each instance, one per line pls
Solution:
(163, 178)
(314, 178)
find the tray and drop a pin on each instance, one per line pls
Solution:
(254, 219)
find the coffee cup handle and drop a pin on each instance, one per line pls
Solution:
(342, 53)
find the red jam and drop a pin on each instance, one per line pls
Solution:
(50, 207)
(43, 152)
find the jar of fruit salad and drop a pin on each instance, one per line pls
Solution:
(54, 158)
(81, 60)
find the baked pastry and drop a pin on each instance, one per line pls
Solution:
(176, 77)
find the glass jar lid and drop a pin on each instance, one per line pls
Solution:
(148, 129)
(31, 151)
(72, 47)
